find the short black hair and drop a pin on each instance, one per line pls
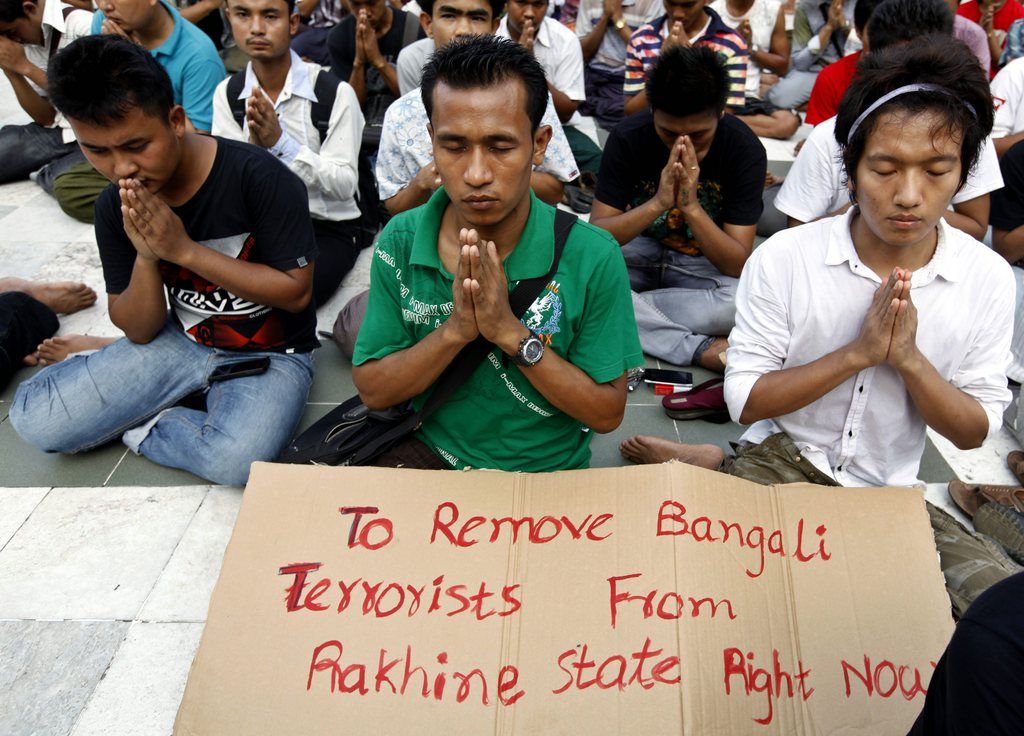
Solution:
(965, 107)
(687, 80)
(11, 10)
(898, 21)
(427, 6)
(862, 12)
(98, 79)
(486, 61)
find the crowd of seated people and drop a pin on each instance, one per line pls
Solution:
(448, 134)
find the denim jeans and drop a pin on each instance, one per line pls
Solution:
(680, 301)
(25, 148)
(792, 90)
(88, 400)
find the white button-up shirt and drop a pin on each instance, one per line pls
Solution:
(804, 293)
(558, 51)
(329, 170)
(816, 183)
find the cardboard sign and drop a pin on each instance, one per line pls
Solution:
(652, 599)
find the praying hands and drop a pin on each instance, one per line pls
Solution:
(480, 303)
(155, 231)
(889, 332)
(260, 116)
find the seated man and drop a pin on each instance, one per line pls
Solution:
(762, 25)
(521, 409)
(604, 28)
(973, 35)
(221, 229)
(406, 176)
(995, 18)
(820, 31)
(310, 42)
(855, 333)
(558, 51)
(1008, 96)
(685, 23)
(680, 188)
(832, 81)
(30, 33)
(815, 188)
(307, 118)
(190, 59)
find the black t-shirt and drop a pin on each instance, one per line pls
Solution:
(731, 174)
(978, 685)
(1008, 202)
(251, 207)
(341, 45)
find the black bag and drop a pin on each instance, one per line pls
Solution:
(351, 434)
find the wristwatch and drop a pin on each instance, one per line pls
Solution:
(620, 24)
(531, 350)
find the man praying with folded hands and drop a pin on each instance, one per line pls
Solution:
(680, 188)
(442, 273)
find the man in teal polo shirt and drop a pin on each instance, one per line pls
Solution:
(442, 272)
(191, 61)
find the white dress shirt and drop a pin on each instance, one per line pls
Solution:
(816, 183)
(804, 293)
(1008, 96)
(77, 24)
(330, 171)
(559, 52)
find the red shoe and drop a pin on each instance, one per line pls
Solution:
(706, 401)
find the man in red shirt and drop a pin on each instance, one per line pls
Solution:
(995, 17)
(831, 84)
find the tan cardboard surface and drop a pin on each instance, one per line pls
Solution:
(822, 576)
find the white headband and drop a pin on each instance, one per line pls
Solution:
(920, 87)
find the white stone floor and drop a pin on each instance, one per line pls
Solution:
(104, 591)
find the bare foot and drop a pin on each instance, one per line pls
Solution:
(644, 449)
(56, 349)
(713, 359)
(63, 297)
(31, 359)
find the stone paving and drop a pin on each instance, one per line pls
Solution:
(107, 562)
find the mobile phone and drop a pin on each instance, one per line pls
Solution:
(251, 367)
(681, 379)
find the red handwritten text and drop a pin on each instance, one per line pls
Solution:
(617, 671)
(762, 680)
(885, 678)
(668, 605)
(361, 537)
(537, 531)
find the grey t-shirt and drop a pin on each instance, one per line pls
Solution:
(410, 64)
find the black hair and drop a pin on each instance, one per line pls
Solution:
(486, 61)
(11, 10)
(98, 79)
(898, 21)
(427, 6)
(687, 80)
(964, 108)
(862, 12)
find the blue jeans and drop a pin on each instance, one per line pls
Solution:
(88, 400)
(25, 148)
(681, 302)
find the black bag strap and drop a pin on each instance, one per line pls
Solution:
(410, 30)
(325, 88)
(237, 105)
(466, 362)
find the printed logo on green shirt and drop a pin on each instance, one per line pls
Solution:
(544, 314)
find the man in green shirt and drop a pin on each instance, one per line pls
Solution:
(442, 273)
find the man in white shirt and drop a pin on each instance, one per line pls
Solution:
(280, 103)
(1008, 97)
(559, 53)
(854, 333)
(815, 186)
(405, 172)
(30, 34)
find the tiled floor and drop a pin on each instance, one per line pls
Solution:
(107, 561)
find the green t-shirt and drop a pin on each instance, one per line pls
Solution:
(497, 419)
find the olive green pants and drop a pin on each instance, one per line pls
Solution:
(970, 562)
(77, 190)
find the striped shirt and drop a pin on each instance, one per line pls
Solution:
(645, 45)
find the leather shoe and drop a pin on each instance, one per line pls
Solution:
(970, 496)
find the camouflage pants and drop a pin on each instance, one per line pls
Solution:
(970, 562)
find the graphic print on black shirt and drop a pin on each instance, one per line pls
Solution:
(251, 208)
(731, 176)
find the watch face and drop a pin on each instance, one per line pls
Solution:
(533, 350)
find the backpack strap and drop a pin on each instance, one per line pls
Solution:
(236, 105)
(470, 357)
(411, 29)
(326, 89)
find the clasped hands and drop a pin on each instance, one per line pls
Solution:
(367, 48)
(677, 188)
(12, 56)
(155, 231)
(260, 116)
(889, 332)
(480, 303)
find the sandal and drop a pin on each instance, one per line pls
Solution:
(706, 401)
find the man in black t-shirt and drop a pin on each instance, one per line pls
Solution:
(219, 228)
(680, 188)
